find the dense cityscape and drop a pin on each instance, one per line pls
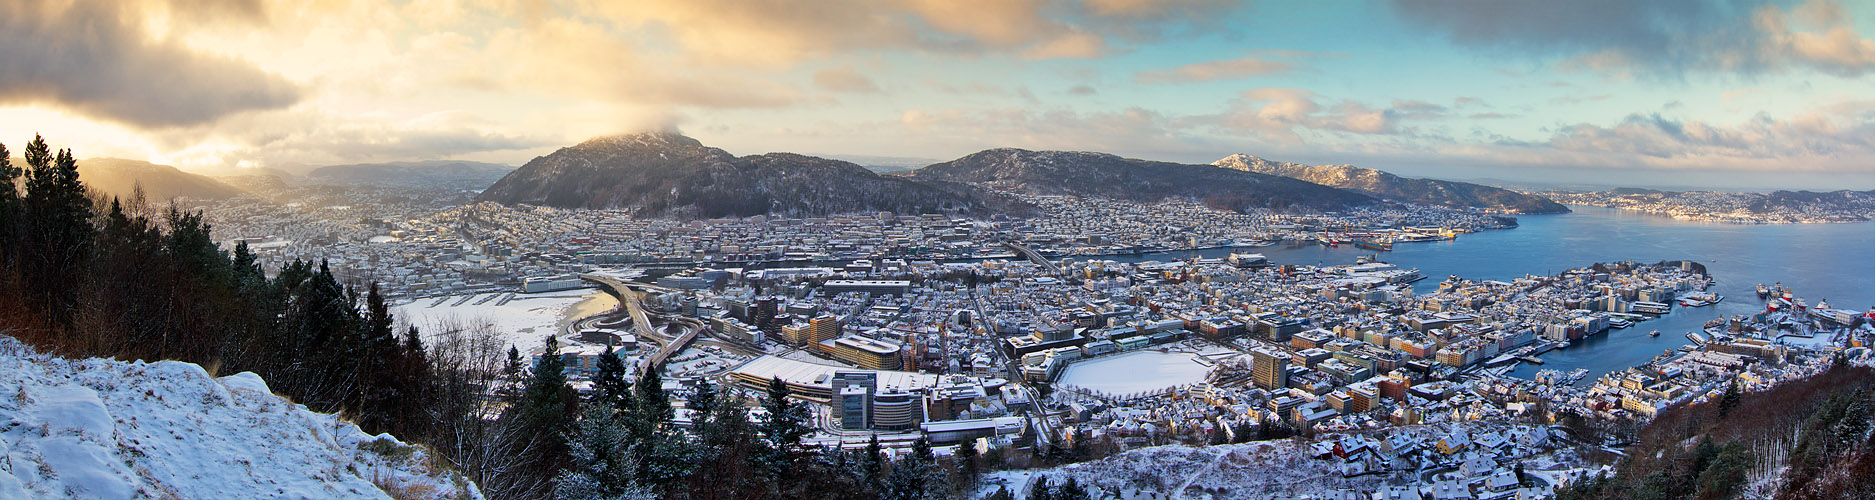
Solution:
(937, 250)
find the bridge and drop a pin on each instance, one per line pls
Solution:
(632, 299)
(1033, 256)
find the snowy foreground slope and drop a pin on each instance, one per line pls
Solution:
(99, 428)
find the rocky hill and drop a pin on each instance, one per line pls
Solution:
(667, 174)
(1101, 174)
(100, 428)
(1385, 185)
(442, 173)
(119, 177)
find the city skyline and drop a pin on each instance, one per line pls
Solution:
(1699, 94)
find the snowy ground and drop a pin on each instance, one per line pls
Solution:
(1283, 468)
(524, 320)
(701, 361)
(1134, 372)
(98, 428)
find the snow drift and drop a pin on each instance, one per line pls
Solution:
(99, 428)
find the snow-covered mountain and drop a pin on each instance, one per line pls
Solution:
(1385, 185)
(100, 428)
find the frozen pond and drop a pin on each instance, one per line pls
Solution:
(524, 319)
(1134, 372)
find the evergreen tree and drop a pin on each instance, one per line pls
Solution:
(967, 468)
(1041, 491)
(9, 207)
(57, 233)
(610, 385)
(921, 450)
(702, 404)
(781, 434)
(602, 461)
(414, 386)
(1002, 493)
(513, 367)
(654, 408)
(872, 465)
(379, 387)
(1729, 400)
(1071, 490)
(544, 414)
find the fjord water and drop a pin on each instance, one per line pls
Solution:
(1817, 261)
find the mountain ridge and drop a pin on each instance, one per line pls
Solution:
(669, 174)
(1089, 173)
(1383, 184)
(119, 177)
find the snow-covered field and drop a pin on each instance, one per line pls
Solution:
(523, 320)
(99, 428)
(1134, 372)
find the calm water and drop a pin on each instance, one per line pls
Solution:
(1817, 261)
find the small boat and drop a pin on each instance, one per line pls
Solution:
(1763, 292)
(1655, 333)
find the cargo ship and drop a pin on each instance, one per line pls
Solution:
(1763, 292)
(1380, 245)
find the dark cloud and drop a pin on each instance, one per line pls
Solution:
(1833, 132)
(309, 137)
(95, 59)
(1657, 31)
(1662, 37)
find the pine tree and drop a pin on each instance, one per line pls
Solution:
(57, 233)
(513, 367)
(1729, 400)
(415, 386)
(602, 460)
(701, 403)
(610, 385)
(543, 414)
(1041, 491)
(782, 433)
(967, 468)
(379, 387)
(654, 408)
(872, 465)
(1071, 490)
(10, 217)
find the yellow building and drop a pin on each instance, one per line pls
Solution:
(821, 329)
(868, 353)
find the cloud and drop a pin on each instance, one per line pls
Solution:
(1573, 99)
(1826, 135)
(1230, 69)
(779, 32)
(1668, 37)
(1082, 90)
(1282, 114)
(844, 79)
(1131, 129)
(310, 137)
(95, 58)
(585, 59)
(1834, 47)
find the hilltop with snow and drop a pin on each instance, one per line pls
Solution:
(100, 428)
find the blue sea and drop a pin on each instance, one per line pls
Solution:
(1817, 261)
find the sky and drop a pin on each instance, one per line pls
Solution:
(1716, 93)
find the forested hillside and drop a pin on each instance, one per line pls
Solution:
(1805, 440)
(84, 276)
